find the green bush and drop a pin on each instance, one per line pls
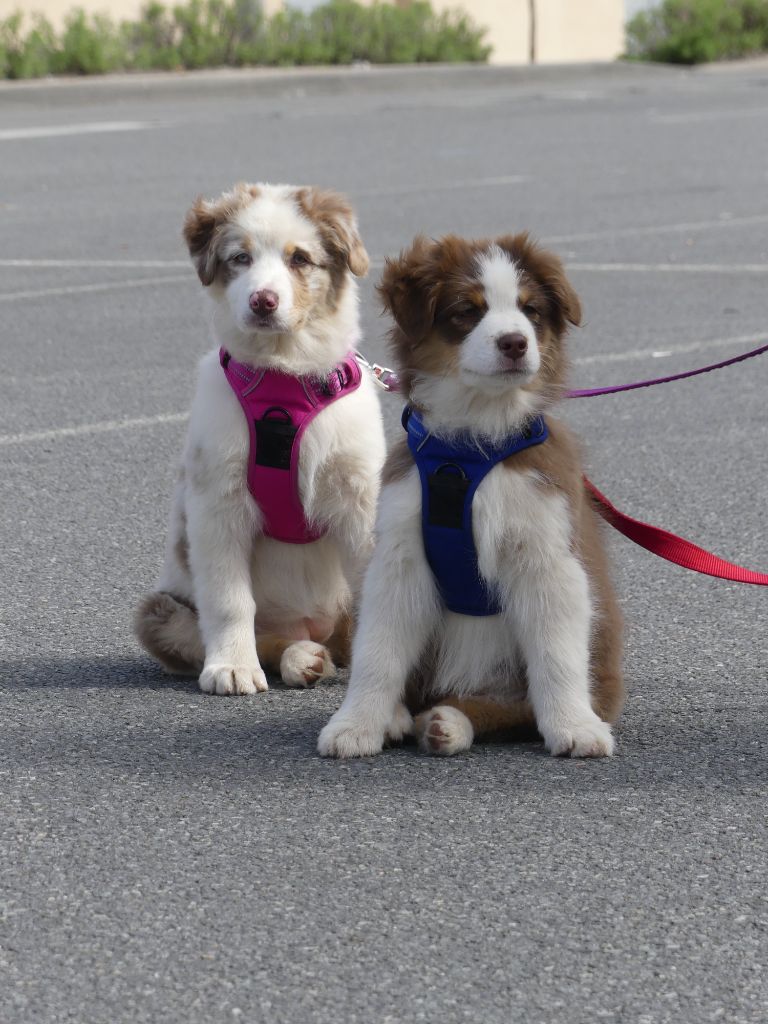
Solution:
(88, 46)
(696, 31)
(215, 33)
(26, 56)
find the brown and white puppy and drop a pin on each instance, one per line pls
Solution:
(277, 265)
(479, 341)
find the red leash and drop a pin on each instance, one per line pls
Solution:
(672, 548)
(652, 538)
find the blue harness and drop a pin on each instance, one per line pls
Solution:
(450, 473)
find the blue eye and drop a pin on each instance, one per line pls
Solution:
(242, 258)
(300, 259)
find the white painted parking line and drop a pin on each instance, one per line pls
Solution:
(108, 426)
(78, 289)
(446, 186)
(102, 427)
(376, 263)
(92, 263)
(680, 268)
(747, 340)
(86, 128)
(682, 227)
(707, 115)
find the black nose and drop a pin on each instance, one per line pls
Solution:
(265, 301)
(512, 345)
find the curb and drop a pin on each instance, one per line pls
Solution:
(326, 81)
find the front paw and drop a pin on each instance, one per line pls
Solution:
(444, 730)
(232, 679)
(304, 663)
(588, 737)
(345, 736)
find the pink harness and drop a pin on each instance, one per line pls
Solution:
(278, 409)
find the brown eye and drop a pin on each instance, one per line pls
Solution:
(300, 259)
(463, 314)
(531, 311)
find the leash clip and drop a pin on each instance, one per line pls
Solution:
(384, 376)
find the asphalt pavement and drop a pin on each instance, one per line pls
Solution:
(172, 857)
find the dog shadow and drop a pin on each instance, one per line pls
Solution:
(275, 734)
(124, 672)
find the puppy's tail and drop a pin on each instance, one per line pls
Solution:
(167, 628)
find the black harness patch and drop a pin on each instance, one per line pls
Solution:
(274, 439)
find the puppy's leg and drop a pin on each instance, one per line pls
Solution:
(339, 643)
(165, 622)
(607, 647)
(306, 662)
(399, 610)
(452, 725)
(553, 611)
(606, 659)
(220, 543)
(346, 497)
(297, 662)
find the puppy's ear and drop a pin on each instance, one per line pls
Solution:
(548, 270)
(199, 230)
(409, 288)
(335, 220)
(561, 290)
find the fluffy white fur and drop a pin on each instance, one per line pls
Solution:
(237, 578)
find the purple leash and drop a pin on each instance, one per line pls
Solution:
(614, 389)
(389, 380)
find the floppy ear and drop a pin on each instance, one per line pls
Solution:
(409, 288)
(561, 290)
(199, 229)
(548, 270)
(337, 224)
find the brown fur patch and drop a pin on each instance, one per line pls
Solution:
(166, 627)
(489, 716)
(181, 547)
(206, 221)
(336, 223)
(270, 648)
(339, 643)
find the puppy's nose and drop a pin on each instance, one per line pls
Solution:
(264, 301)
(512, 345)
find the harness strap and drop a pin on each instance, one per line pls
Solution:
(450, 472)
(278, 408)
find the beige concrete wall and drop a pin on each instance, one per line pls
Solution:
(566, 30)
(56, 10)
(507, 22)
(578, 30)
